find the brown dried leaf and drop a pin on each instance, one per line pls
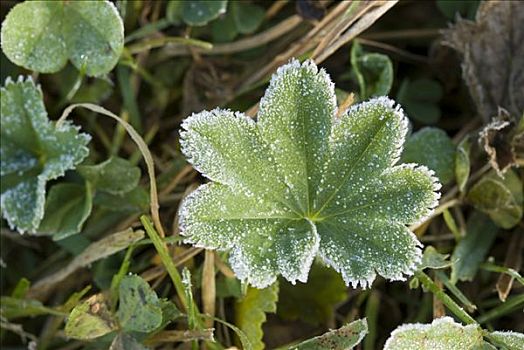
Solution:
(498, 141)
(493, 56)
(98, 250)
(514, 261)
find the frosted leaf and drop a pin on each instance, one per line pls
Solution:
(442, 334)
(43, 35)
(300, 183)
(512, 340)
(33, 151)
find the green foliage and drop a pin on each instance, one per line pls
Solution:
(195, 12)
(472, 249)
(433, 259)
(124, 341)
(433, 148)
(346, 337)
(15, 307)
(499, 196)
(247, 17)
(136, 200)
(139, 311)
(311, 189)
(312, 302)
(241, 18)
(33, 151)
(139, 308)
(91, 319)
(420, 98)
(43, 35)
(250, 312)
(374, 72)
(295, 185)
(115, 176)
(464, 8)
(512, 340)
(442, 333)
(462, 163)
(67, 207)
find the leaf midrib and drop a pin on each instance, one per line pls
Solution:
(318, 215)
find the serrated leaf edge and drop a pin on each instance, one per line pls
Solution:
(42, 180)
(399, 146)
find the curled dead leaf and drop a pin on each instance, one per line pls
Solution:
(493, 56)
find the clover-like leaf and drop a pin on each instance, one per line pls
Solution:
(300, 182)
(33, 151)
(43, 35)
(442, 333)
(139, 308)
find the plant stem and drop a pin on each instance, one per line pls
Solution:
(161, 248)
(508, 306)
(446, 300)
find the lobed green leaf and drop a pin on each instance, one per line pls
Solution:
(299, 183)
(33, 151)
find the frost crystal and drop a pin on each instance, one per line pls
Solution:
(301, 183)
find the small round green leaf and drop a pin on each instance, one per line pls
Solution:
(43, 35)
(248, 17)
(201, 12)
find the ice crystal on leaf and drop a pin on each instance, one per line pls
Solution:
(33, 151)
(300, 183)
